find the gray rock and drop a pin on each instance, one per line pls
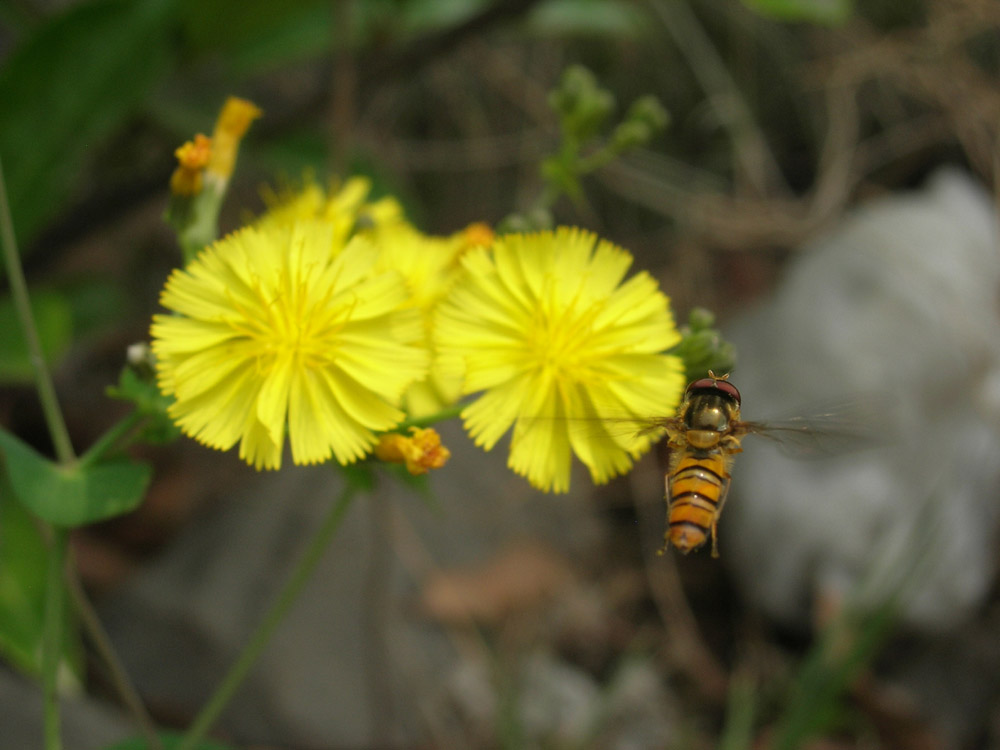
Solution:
(896, 314)
(183, 620)
(558, 704)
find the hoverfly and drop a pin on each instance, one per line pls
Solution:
(707, 433)
(703, 438)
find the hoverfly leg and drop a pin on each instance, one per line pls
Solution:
(723, 496)
(731, 444)
(666, 498)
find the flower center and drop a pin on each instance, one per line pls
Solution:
(560, 338)
(296, 323)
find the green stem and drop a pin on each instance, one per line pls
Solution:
(119, 677)
(448, 412)
(52, 636)
(22, 305)
(374, 622)
(600, 158)
(262, 636)
(196, 219)
(548, 197)
(110, 438)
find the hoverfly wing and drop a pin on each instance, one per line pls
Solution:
(833, 431)
(620, 429)
(654, 425)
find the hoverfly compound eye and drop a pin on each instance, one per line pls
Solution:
(708, 385)
(701, 384)
(729, 389)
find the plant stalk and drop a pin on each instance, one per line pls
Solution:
(52, 637)
(22, 305)
(262, 636)
(375, 616)
(119, 677)
(111, 439)
(52, 627)
(449, 412)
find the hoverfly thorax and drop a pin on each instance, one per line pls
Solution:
(711, 406)
(710, 411)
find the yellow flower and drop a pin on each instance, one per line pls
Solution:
(427, 263)
(281, 329)
(544, 326)
(430, 265)
(346, 207)
(421, 451)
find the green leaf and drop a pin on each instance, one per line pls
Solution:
(816, 699)
(828, 12)
(76, 495)
(68, 86)
(23, 555)
(608, 19)
(257, 35)
(261, 35)
(97, 303)
(54, 321)
(22, 585)
(170, 740)
(741, 708)
(149, 402)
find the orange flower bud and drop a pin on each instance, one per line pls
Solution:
(478, 233)
(421, 451)
(195, 154)
(192, 156)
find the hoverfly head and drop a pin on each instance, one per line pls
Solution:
(711, 403)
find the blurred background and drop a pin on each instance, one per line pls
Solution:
(826, 186)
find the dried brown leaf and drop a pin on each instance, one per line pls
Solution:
(520, 578)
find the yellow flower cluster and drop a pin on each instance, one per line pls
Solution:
(330, 320)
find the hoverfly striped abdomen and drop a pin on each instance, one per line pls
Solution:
(695, 490)
(702, 442)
